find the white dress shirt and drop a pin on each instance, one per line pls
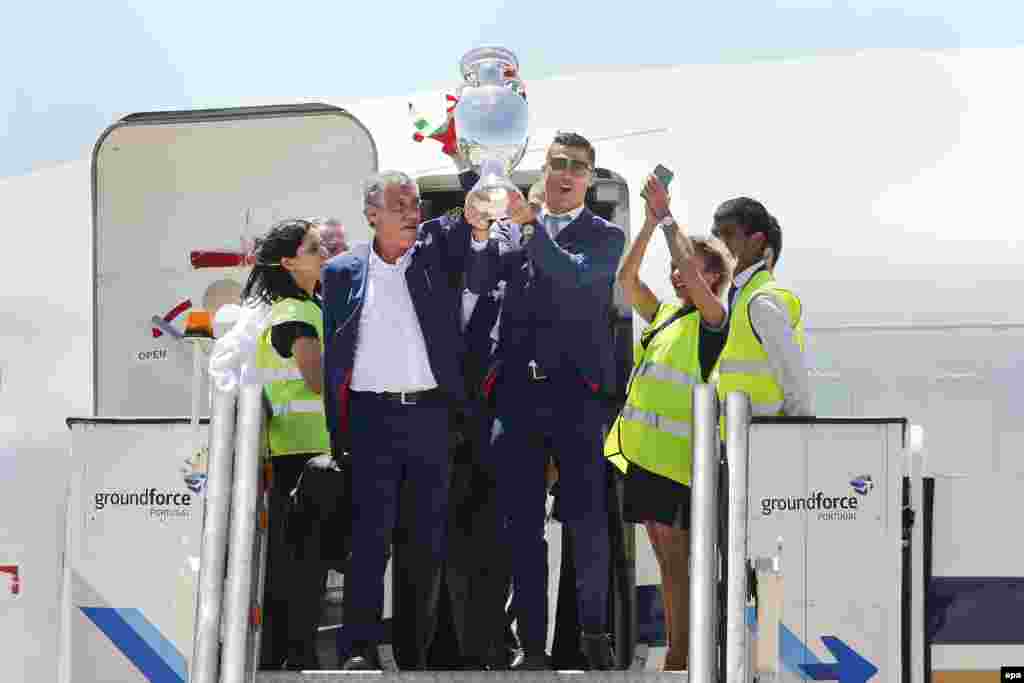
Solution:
(391, 352)
(770, 319)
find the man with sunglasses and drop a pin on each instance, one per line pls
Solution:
(393, 376)
(555, 354)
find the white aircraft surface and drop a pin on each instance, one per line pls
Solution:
(893, 173)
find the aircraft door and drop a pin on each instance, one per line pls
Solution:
(177, 199)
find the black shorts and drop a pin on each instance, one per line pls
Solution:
(650, 497)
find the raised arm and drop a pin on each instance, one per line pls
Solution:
(596, 264)
(683, 254)
(639, 295)
(462, 249)
(712, 311)
(679, 245)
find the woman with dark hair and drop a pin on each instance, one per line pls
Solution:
(288, 362)
(650, 440)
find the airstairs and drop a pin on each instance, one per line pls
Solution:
(737, 641)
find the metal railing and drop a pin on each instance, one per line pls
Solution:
(737, 421)
(707, 548)
(214, 550)
(233, 555)
(229, 576)
(704, 537)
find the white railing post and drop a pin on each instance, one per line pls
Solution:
(704, 536)
(244, 498)
(213, 552)
(737, 424)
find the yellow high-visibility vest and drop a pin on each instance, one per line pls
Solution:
(297, 424)
(653, 429)
(743, 365)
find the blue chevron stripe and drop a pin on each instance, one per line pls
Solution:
(156, 640)
(791, 650)
(133, 645)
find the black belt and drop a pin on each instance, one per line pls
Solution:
(405, 398)
(535, 373)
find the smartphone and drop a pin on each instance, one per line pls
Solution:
(662, 174)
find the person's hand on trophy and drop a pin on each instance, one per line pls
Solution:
(481, 226)
(536, 197)
(520, 211)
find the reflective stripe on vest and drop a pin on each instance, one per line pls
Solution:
(665, 373)
(298, 407)
(655, 421)
(297, 424)
(653, 429)
(743, 365)
(746, 367)
(267, 375)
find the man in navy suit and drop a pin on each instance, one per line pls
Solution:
(393, 375)
(555, 356)
(471, 604)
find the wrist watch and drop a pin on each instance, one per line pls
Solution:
(526, 231)
(666, 222)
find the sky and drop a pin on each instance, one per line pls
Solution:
(72, 69)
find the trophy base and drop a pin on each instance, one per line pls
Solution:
(492, 193)
(492, 202)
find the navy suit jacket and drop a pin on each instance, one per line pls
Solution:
(435, 278)
(478, 342)
(561, 317)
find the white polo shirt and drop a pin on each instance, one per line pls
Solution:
(391, 352)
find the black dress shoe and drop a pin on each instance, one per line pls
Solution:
(528, 661)
(299, 660)
(597, 648)
(362, 660)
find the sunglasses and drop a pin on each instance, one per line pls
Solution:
(574, 166)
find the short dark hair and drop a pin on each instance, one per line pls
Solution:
(569, 139)
(753, 217)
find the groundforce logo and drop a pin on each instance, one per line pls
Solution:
(829, 508)
(161, 504)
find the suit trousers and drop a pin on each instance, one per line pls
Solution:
(400, 477)
(571, 416)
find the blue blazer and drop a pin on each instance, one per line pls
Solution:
(435, 279)
(478, 343)
(561, 317)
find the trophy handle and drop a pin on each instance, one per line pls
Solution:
(519, 155)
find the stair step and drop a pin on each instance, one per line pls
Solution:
(469, 676)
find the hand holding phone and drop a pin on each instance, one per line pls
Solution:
(663, 175)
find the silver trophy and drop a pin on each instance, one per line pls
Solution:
(491, 126)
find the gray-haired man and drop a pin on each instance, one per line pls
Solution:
(393, 375)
